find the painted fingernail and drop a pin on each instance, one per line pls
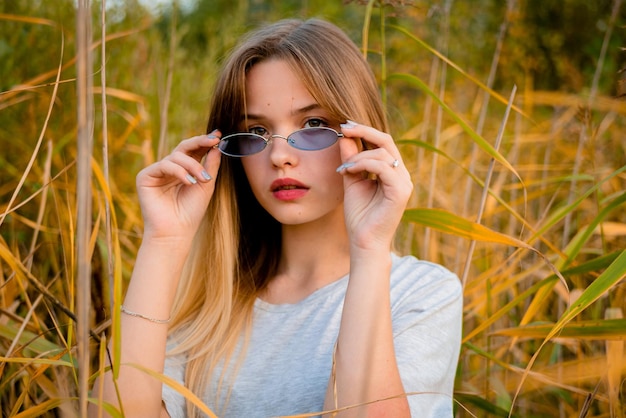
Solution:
(344, 166)
(191, 179)
(206, 175)
(349, 124)
(212, 134)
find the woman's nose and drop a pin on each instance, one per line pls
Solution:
(281, 152)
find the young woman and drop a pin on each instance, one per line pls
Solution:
(268, 243)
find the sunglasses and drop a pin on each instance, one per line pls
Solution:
(308, 139)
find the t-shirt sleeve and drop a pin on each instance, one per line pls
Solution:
(427, 304)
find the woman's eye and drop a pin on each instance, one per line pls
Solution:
(258, 130)
(315, 123)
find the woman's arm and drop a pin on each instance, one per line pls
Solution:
(150, 293)
(174, 194)
(365, 363)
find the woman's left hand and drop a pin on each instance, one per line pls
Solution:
(373, 205)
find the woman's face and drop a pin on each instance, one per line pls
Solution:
(295, 186)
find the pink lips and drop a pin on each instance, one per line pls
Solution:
(288, 189)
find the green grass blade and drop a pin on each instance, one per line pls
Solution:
(614, 273)
(606, 329)
(560, 213)
(542, 294)
(609, 278)
(574, 247)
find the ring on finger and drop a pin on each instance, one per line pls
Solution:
(395, 163)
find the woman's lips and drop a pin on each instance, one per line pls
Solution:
(288, 189)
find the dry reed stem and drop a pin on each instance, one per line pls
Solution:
(85, 122)
(105, 143)
(366, 27)
(485, 194)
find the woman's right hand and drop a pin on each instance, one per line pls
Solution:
(174, 193)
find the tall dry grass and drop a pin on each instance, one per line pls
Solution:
(521, 191)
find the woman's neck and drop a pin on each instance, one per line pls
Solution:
(313, 256)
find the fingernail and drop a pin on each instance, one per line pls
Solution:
(206, 175)
(191, 179)
(349, 124)
(344, 166)
(212, 134)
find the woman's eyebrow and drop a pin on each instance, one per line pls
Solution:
(304, 109)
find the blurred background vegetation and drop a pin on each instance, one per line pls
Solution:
(537, 237)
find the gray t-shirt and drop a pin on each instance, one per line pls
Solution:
(288, 361)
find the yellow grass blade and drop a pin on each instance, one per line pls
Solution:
(27, 19)
(38, 410)
(29, 360)
(450, 223)
(189, 395)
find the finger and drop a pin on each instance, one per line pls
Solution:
(194, 169)
(377, 154)
(164, 172)
(212, 162)
(348, 148)
(370, 135)
(396, 180)
(198, 146)
(189, 153)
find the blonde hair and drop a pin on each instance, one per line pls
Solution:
(237, 248)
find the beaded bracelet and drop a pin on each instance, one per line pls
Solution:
(138, 315)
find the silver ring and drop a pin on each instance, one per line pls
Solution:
(395, 163)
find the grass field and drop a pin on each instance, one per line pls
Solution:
(519, 163)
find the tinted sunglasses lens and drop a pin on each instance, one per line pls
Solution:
(240, 145)
(312, 139)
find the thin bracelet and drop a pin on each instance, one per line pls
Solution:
(138, 315)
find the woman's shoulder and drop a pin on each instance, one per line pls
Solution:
(409, 266)
(423, 283)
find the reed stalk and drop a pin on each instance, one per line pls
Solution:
(105, 147)
(85, 124)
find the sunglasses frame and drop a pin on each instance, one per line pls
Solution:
(288, 138)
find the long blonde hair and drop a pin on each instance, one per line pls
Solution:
(237, 248)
